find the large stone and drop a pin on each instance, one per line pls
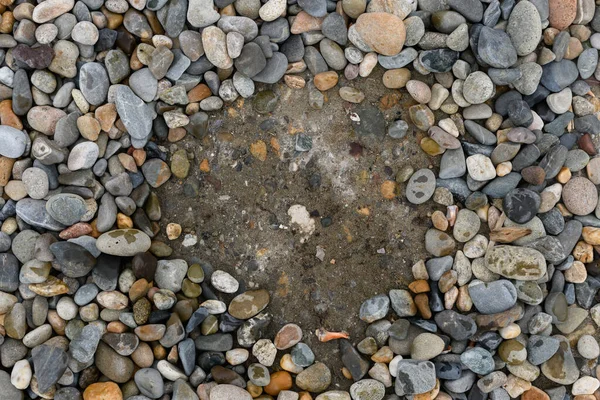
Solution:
(516, 262)
(136, 115)
(380, 32)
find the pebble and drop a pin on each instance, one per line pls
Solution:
(421, 186)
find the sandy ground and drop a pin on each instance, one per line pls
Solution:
(239, 210)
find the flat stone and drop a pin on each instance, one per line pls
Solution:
(421, 186)
(134, 113)
(49, 363)
(516, 262)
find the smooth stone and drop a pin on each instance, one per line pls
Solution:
(123, 242)
(524, 28)
(516, 262)
(493, 297)
(558, 75)
(12, 142)
(420, 186)
(561, 367)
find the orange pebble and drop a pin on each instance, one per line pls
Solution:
(281, 380)
(103, 391)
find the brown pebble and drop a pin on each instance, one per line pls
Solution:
(75, 231)
(583, 252)
(396, 78)
(439, 220)
(464, 302)
(419, 286)
(326, 80)
(534, 394)
(422, 303)
(294, 81)
(199, 93)
(534, 175)
(8, 117)
(447, 280)
(281, 380)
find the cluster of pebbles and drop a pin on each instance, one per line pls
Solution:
(92, 306)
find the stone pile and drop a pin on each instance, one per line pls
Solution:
(90, 306)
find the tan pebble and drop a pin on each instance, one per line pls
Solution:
(383, 32)
(75, 231)
(494, 122)
(127, 162)
(6, 165)
(591, 235)
(581, 32)
(8, 20)
(464, 302)
(176, 134)
(294, 81)
(422, 303)
(139, 289)
(577, 273)
(89, 127)
(583, 252)
(396, 78)
(367, 65)
(419, 270)
(439, 220)
(419, 91)
(515, 386)
(510, 331)
(504, 168)
(346, 373)
(447, 280)
(139, 156)
(443, 396)
(124, 222)
(449, 126)
(143, 356)
(113, 300)
(563, 210)
(564, 175)
(584, 397)
(106, 115)
(450, 298)
(383, 355)
(351, 95)
(58, 324)
(305, 23)
(254, 390)
(306, 395)
(574, 49)
(287, 364)
(296, 67)
(326, 80)
(116, 327)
